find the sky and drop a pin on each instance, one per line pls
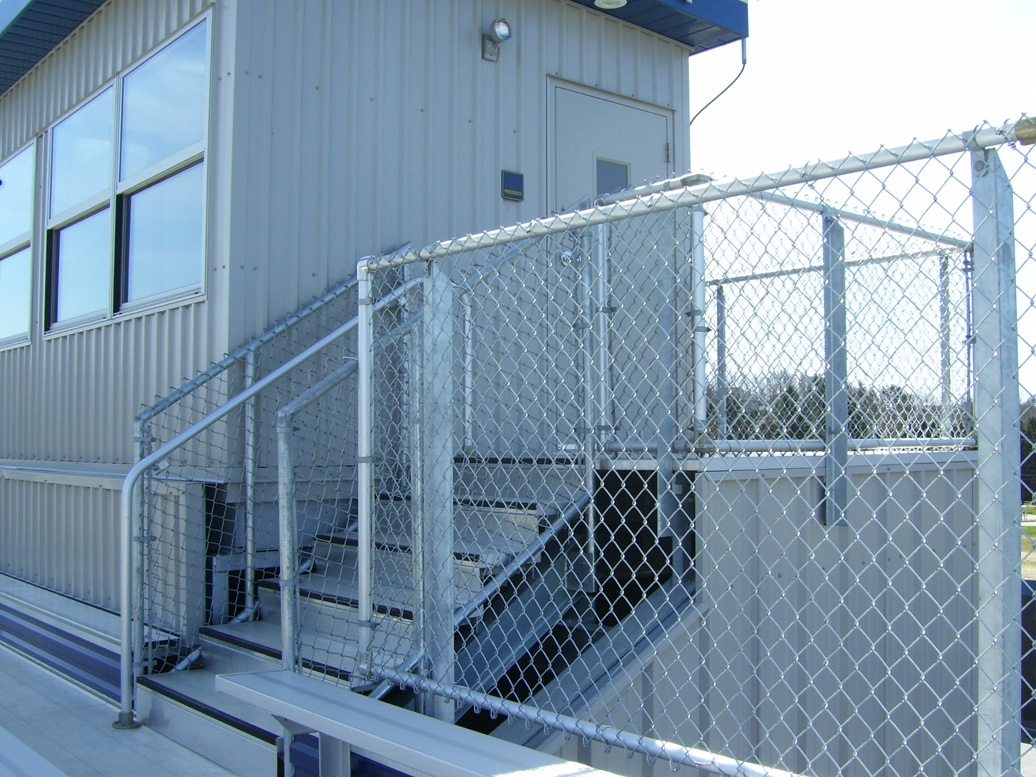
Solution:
(828, 77)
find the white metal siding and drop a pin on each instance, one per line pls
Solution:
(365, 125)
(62, 533)
(70, 398)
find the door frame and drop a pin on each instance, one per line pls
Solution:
(553, 84)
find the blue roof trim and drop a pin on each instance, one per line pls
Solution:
(31, 29)
(699, 24)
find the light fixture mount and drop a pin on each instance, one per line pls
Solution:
(609, 5)
(498, 32)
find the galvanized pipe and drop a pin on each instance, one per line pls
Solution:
(364, 475)
(239, 354)
(605, 421)
(817, 268)
(468, 383)
(722, 384)
(859, 218)
(861, 445)
(289, 580)
(836, 372)
(945, 346)
(688, 196)
(632, 743)
(251, 452)
(130, 483)
(700, 385)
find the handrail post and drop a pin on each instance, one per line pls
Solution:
(126, 652)
(364, 481)
(289, 580)
(250, 454)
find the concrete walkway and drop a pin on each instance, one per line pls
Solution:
(47, 722)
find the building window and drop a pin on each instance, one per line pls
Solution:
(16, 177)
(81, 156)
(81, 266)
(164, 105)
(15, 295)
(127, 189)
(164, 235)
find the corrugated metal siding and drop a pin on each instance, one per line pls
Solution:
(70, 399)
(73, 398)
(798, 628)
(65, 537)
(365, 125)
(118, 34)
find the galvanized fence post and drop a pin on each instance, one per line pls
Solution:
(836, 420)
(722, 383)
(998, 541)
(433, 503)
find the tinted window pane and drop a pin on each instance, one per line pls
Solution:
(16, 196)
(84, 267)
(165, 235)
(82, 154)
(164, 103)
(15, 293)
(612, 177)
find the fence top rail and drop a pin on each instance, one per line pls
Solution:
(674, 193)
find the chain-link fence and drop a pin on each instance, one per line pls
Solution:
(723, 474)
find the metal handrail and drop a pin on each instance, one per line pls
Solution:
(131, 482)
(288, 528)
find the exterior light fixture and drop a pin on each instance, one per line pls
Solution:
(498, 32)
(609, 5)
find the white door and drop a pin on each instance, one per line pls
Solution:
(603, 144)
(614, 296)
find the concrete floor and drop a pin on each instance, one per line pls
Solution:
(72, 729)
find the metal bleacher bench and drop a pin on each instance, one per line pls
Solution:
(401, 739)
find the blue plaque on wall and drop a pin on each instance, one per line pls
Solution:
(512, 185)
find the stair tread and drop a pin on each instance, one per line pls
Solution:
(393, 591)
(196, 689)
(492, 534)
(331, 651)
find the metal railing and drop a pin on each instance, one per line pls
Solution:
(796, 396)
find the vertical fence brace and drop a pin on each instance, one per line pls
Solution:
(836, 379)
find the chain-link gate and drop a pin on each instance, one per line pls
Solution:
(723, 474)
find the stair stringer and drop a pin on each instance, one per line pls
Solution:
(662, 630)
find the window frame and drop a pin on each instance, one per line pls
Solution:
(23, 241)
(116, 198)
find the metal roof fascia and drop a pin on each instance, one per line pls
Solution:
(729, 14)
(31, 29)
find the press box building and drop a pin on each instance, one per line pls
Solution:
(185, 179)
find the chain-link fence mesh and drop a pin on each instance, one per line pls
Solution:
(718, 474)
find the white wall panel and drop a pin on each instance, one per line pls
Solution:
(365, 125)
(67, 535)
